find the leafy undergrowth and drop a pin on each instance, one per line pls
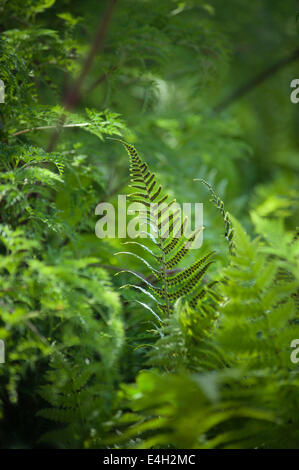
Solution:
(185, 347)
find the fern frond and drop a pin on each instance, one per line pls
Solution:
(169, 239)
(229, 230)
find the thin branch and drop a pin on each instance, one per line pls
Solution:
(72, 97)
(101, 79)
(24, 131)
(256, 81)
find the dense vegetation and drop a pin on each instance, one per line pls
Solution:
(185, 348)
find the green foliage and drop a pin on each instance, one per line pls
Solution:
(77, 404)
(56, 301)
(198, 353)
(241, 375)
(229, 232)
(172, 245)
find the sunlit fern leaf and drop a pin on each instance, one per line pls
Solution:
(172, 245)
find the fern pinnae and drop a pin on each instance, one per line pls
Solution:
(170, 245)
(169, 238)
(183, 249)
(198, 297)
(144, 247)
(156, 290)
(152, 269)
(138, 169)
(191, 283)
(229, 230)
(144, 291)
(150, 309)
(192, 269)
